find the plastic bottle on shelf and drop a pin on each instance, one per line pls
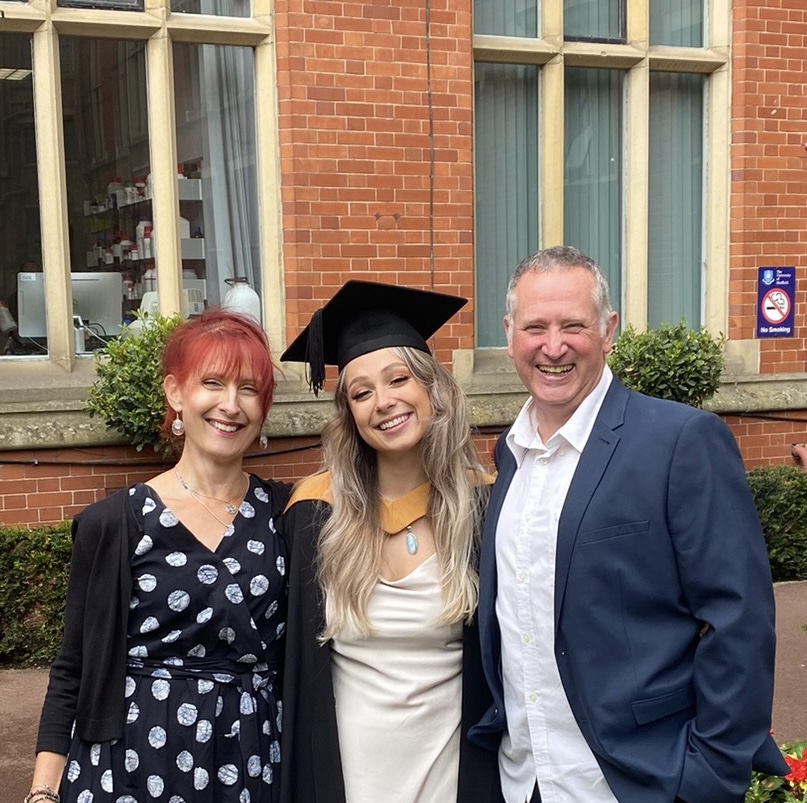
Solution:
(148, 243)
(130, 193)
(117, 249)
(112, 188)
(149, 278)
(242, 298)
(140, 236)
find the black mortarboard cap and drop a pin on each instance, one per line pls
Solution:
(367, 316)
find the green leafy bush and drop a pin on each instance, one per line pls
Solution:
(128, 393)
(669, 362)
(34, 565)
(790, 789)
(780, 493)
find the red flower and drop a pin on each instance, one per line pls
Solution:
(798, 768)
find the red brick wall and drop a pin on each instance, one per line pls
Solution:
(362, 196)
(765, 440)
(49, 486)
(768, 224)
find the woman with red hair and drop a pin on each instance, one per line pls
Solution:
(165, 686)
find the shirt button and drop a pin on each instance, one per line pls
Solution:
(543, 460)
(525, 637)
(521, 577)
(532, 698)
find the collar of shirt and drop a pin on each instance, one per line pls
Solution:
(523, 435)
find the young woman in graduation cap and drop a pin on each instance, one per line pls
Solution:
(382, 675)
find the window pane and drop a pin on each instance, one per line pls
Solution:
(215, 113)
(592, 169)
(676, 198)
(602, 20)
(506, 152)
(107, 167)
(676, 22)
(20, 239)
(220, 8)
(124, 5)
(506, 17)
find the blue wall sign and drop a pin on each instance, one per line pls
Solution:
(776, 295)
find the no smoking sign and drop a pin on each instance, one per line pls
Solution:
(776, 288)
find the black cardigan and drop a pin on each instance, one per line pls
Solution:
(88, 676)
(312, 765)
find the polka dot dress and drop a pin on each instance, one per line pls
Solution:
(203, 716)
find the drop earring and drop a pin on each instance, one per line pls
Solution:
(263, 441)
(177, 427)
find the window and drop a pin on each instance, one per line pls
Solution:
(592, 165)
(618, 150)
(507, 169)
(151, 122)
(675, 169)
(216, 149)
(594, 20)
(20, 231)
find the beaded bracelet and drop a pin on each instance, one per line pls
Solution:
(41, 792)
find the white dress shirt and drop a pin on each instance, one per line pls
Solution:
(543, 742)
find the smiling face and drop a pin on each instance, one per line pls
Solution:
(557, 342)
(390, 407)
(222, 414)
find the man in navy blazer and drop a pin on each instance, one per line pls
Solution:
(626, 607)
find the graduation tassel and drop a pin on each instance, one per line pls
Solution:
(315, 353)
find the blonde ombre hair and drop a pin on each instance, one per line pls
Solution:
(351, 540)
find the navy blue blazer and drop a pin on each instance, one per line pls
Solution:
(658, 537)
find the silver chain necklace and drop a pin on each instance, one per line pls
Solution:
(230, 507)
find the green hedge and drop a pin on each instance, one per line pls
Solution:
(780, 493)
(33, 578)
(34, 565)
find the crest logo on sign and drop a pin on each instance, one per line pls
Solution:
(767, 276)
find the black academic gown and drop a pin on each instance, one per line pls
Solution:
(312, 768)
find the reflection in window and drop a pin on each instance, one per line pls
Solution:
(592, 168)
(20, 238)
(506, 17)
(676, 22)
(219, 8)
(675, 250)
(599, 20)
(507, 213)
(215, 113)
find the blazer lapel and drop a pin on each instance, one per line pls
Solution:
(488, 627)
(593, 461)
